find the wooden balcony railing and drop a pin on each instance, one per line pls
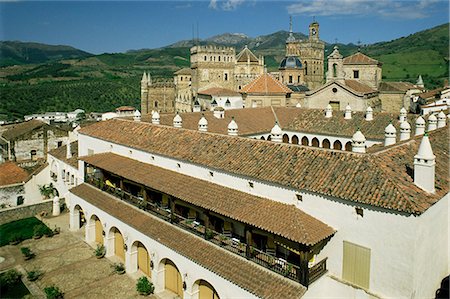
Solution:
(233, 245)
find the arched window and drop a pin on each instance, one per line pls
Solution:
(326, 143)
(285, 138)
(348, 146)
(334, 70)
(156, 104)
(305, 141)
(315, 142)
(294, 139)
(337, 145)
(306, 68)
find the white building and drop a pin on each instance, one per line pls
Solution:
(219, 97)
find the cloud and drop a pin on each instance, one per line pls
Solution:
(412, 9)
(227, 5)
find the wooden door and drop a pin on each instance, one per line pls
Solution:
(356, 264)
(98, 232)
(143, 260)
(119, 249)
(206, 292)
(173, 281)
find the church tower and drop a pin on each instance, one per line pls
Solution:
(291, 67)
(312, 51)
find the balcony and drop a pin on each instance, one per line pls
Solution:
(226, 240)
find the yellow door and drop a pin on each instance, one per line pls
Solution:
(118, 245)
(206, 291)
(98, 232)
(173, 280)
(143, 260)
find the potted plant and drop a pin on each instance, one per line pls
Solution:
(100, 251)
(144, 287)
(34, 275)
(27, 253)
(53, 292)
(119, 268)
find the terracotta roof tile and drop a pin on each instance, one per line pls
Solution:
(245, 274)
(396, 86)
(60, 154)
(360, 58)
(266, 84)
(10, 174)
(18, 130)
(359, 87)
(338, 174)
(262, 213)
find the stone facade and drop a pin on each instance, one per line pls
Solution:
(17, 213)
(256, 101)
(369, 74)
(157, 96)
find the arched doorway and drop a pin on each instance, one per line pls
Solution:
(98, 230)
(172, 278)
(315, 142)
(305, 141)
(285, 138)
(77, 218)
(294, 139)
(141, 258)
(326, 143)
(348, 146)
(204, 290)
(118, 243)
(337, 145)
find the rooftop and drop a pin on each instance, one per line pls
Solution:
(360, 58)
(217, 91)
(227, 265)
(265, 84)
(396, 86)
(246, 55)
(61, 152)
(381, 179)
(184, 71)
(11, 174)
(17, 130)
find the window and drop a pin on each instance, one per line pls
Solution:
(335, 105)
(59, 144)
(227, 103)
(205, 58)
(334, 70)
(131, 152)
(250, 184)
(355, 74)
(298, 79)
(152, 157)
(356, 264)
(33, 154)
(290, 79)
(211, 174)
(156, 104)
(359, 211)
(181, 78)
(299, 197)
(20, 200)
(178, 165)
(225, 77)
(334, 89)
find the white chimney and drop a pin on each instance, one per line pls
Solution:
(233, 128)
(424, 166)
(432, 122)
(358, 142)
(276, 133)
(68, 150)
(390, 135)
(137, 115)
(405, 131)
(155, 118)
(369, 114)
(328, 111)
(219, 112)
(348, 112)
(420, 126)
(197, 107)
(203, 124)
(177, 121)
(403, 114)
(441, 119)
(298, 105)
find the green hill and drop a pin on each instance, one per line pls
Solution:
(37, 78)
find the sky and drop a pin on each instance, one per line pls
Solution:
(117, 26)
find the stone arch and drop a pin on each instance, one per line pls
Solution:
(285, 138)
(172, 280)
(116, 243)
(294, 139)
(305, 141)
(54, 169)
(95, 231)
(202, 289)
(348, 146)
(326, 143)
(337, 145)
(262, 138)
(77, 218)
(315, 142)
(140, 258)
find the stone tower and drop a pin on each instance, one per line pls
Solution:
(312, 53)
(291, 68)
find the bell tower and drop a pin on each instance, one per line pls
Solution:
(314, 31)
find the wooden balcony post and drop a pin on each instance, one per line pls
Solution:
(248, 241)
(304, 271)
(206, 224)
(172, 209)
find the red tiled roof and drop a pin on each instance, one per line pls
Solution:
(431, 93)
(359, 58)
(217, 91)
(262, 213)
(10, 174)
(266, 84)
(18, 130)
(61, 152)
(247, 275)
(359, 87)
(125, 108)
(349, 176)
(396, 86)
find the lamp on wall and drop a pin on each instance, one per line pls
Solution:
(125, 247)
(184, 282)
(151, 265)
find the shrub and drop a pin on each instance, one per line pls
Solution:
(34, 275)
(10, 277)
(27, 253)
(144, 287)
(15, 239)
(40, 230)
(53, 292)
(100, 251)
(119, 268)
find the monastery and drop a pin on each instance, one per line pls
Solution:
(266, 202)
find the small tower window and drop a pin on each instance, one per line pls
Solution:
(290, 79)
(299, 197)
(356, 74)
(250, 184)
(211, 174)
(226, 77)
(359, 211)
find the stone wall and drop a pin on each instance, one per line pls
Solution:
(21, 212)
(391, 102)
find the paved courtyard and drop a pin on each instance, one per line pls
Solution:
(68, 262)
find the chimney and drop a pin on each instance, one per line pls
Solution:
(441, 119)
(390, 135)
(177, 121)
(403, 114)
(432, 122)
(369, 114)
(348, 112)
(405, 131)
(155, 118)
(197, 107)
(233, 128)
(298, 105)
(358, 142)
(137, 115)
(68, 150)
(424, 166)
(276, 133)
(219, 112)
(420, 126)
(328, 111)
(203, 124)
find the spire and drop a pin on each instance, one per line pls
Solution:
(419, 82)
(149, 79)
(144, 78)
(291, 37)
